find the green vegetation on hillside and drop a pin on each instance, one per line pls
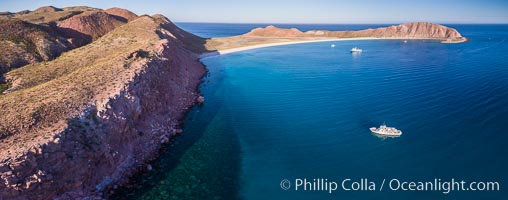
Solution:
(56, 90)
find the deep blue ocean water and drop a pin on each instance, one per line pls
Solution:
(303, 111)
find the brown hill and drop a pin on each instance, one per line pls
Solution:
(48, 14)
(122, 14)
(88, 26)
(408, 30)
(43, 34)
(47, 9)
(23, 43)
(272, 31)
(73, 127)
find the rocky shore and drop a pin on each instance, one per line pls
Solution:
(85, 128)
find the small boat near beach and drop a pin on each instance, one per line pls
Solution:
(356, 50)
(333, 45)
(385, 130)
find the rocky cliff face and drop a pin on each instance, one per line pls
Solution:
(99, 122)
(419, 30)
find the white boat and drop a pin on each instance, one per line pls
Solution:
(333, 45)
(384, 130)
(356, 49)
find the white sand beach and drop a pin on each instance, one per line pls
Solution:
(257, 46)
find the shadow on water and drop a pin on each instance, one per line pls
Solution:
(201, 163)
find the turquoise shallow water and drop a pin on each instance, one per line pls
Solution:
(303, 111)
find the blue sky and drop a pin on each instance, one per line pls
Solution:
(299, 11)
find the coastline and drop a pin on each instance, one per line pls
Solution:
(121, 128)
(114, 128)
(303, 41)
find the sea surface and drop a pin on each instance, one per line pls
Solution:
(304, 111)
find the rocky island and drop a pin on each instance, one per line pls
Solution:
(272, 36)
(91, 95)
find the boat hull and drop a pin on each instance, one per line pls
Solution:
(374, 130)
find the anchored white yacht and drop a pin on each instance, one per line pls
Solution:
(356, 49)
(384, 130)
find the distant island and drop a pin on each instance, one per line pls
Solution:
(91, 95)
(271, 36)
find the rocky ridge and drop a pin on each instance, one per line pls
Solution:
(122, 14)
(416, 30)
(81, 123)
(88, 26)
(86, 126)
(23, 43)
(43, 34)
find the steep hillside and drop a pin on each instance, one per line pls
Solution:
(23, 43)
(88, 26)
(43, 34)
(190, 41)
(88, 118)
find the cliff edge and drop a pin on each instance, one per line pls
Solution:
(83, 116)
(75, 126)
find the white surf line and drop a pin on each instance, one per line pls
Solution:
(238, 49)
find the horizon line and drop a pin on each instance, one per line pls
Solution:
(348, 23)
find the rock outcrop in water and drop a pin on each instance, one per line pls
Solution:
(416, 30)
(74, 127)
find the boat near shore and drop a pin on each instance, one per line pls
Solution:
(386, 131)
(356, 50)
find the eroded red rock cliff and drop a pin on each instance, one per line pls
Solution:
(92, 117)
